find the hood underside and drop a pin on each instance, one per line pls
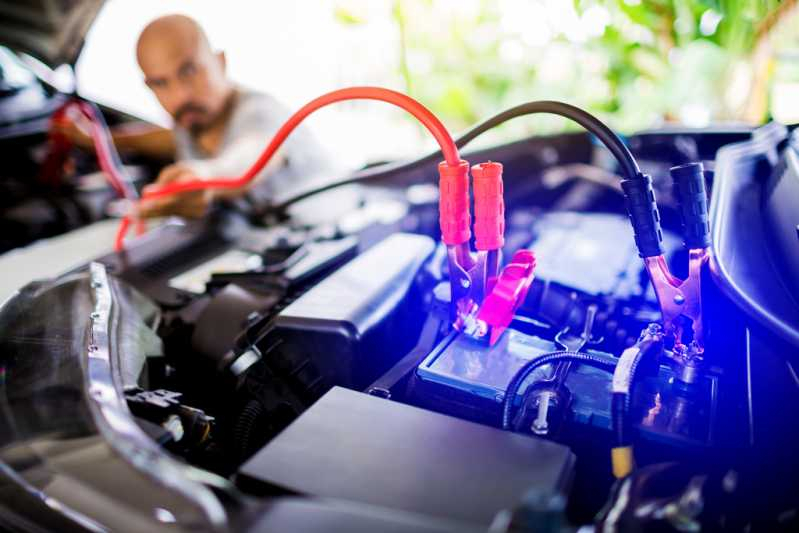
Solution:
(52, 31)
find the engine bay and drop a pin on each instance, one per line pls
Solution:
(593, 361)
(265, 330)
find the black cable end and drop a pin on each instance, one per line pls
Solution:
(639, 197)
(691, 195)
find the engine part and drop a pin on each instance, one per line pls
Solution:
(396, 442)
(337, 332)
(756, 281)
(465, 378)
(648, 349)
(554, 389)
(573, 250)
(225, 317)
(189, 427)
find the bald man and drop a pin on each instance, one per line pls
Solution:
(219, 128)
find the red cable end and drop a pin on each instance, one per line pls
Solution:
(489, 206)
(453, 203)
(124, 225)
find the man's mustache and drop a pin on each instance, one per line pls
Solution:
(189, 107)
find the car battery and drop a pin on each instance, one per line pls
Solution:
(468, 378)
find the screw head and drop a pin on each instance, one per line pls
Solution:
(679, 299)
(465, 283)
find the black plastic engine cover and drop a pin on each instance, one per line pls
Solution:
(365, 449)
(351, 327)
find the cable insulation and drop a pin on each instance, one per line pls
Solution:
(425, 116)
(591, 123)
(529, 367)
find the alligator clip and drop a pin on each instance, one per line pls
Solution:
(679, 299)
(509, 291)
(471, 275)
(483, 301)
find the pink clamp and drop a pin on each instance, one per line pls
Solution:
(489, 206)
(508, 294)
(454, 214)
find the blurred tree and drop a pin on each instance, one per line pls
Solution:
(636, 63)
(741, 31)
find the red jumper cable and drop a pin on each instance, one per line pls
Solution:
(107, 156)
(430, 121)
(471, 277)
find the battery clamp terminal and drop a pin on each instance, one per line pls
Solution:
(483, 299)
(509, 291)
(682, 299)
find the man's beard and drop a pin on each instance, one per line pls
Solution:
(198, 126)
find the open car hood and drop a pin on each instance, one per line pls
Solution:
(50, 30)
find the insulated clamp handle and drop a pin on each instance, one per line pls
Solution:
(489, 206)
(639, 198)
(453, 203)
(689, 190)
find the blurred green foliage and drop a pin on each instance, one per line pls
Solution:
(636, 63)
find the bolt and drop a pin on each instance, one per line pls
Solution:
(540, 427)
(465, 283)
(679, 299)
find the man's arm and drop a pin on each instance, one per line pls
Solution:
(235, 160)
(145, 139)
(148, 140)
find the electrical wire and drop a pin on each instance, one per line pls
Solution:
(107, 155)
(421, 113)
(592, 124)
(624, 377)
(620, 407)
(105, 150)
(529, 367)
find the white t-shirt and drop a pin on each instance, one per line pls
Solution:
(255, 119)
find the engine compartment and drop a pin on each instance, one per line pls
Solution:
(259, 323)
(312, 353)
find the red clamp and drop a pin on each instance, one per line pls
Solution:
(489, 207)
(472, 277)
(58, 147)
(454, 215)
(510, 290)
(455, 221)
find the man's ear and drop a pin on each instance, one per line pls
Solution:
(220, 56)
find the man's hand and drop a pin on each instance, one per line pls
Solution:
(75, 127)
(193, 204)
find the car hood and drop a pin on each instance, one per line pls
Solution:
(52, 31)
